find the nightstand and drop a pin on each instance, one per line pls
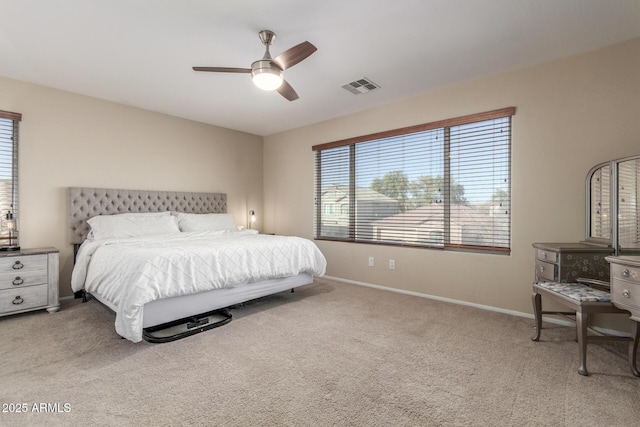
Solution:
(29, 281)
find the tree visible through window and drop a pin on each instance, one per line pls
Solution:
(443, 185)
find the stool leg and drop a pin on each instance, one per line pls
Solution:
(582, 320)
(633, 348)
(537, 314)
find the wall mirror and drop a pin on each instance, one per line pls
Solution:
(613, 207)
(9, 180)
(628, 215)
(599, 204)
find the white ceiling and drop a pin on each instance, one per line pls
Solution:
(140, 52)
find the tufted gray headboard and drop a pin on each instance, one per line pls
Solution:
(85, 203)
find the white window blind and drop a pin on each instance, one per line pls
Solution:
(441, 185)
(8, 166)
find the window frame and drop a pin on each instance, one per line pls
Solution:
(441, 124)
(15, 119)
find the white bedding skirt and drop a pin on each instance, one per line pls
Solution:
(167, 310)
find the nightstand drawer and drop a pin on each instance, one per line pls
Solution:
(23, 299)
(545, 271)
(625, 294)
(22, 263)
(20, 279)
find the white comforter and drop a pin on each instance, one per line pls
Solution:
(132, 272)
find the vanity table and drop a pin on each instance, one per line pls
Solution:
(610, 254)
(562, 275)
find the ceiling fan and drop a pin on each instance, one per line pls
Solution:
(266, 73)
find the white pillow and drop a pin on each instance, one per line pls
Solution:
(206, 222)
(90, 235)
(132, 225)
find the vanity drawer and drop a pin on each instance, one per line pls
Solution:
(547, 256)
(22, 263)
(546, 271)
(21, 278)
(625, 272)
(23, 299)
(625, 294)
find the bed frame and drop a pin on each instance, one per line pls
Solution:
(186, 314)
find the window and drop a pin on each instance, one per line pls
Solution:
(8, 172)
(441, 185)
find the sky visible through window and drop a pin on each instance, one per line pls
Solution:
(6, 148)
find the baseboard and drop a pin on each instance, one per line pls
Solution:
(471, 304)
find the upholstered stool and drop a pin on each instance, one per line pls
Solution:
(583, 300)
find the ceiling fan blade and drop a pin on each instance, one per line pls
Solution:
(223, 69)
(291, 57)
(287, 91)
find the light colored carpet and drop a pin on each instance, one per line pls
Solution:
(328, 354)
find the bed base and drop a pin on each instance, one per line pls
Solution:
(177, 329)
(182, 327)
(186, 327)
(175, 318)
(80, 294)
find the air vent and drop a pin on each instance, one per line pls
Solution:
(362, 85)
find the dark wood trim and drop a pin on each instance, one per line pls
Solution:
(456, 121)
(9, 115)
(446, 247)
(476, 248)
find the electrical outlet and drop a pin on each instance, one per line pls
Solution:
(370, 261)
(392, 264)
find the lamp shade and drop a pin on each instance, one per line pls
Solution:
(11, 226)
(251, 218)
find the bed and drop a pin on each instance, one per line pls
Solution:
(158, 258)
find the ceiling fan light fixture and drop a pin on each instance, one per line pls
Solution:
(266, 76)
(266, 73)
(268, 80)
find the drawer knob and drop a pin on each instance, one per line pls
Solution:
(17, 265)
(18, 281)
(17, 300)
(541, 269)
(626, 293)
(625, 272)
(543, 255)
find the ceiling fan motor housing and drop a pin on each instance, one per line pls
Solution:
(266, 75)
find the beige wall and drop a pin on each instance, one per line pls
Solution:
(571, 114)
(72, 140)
